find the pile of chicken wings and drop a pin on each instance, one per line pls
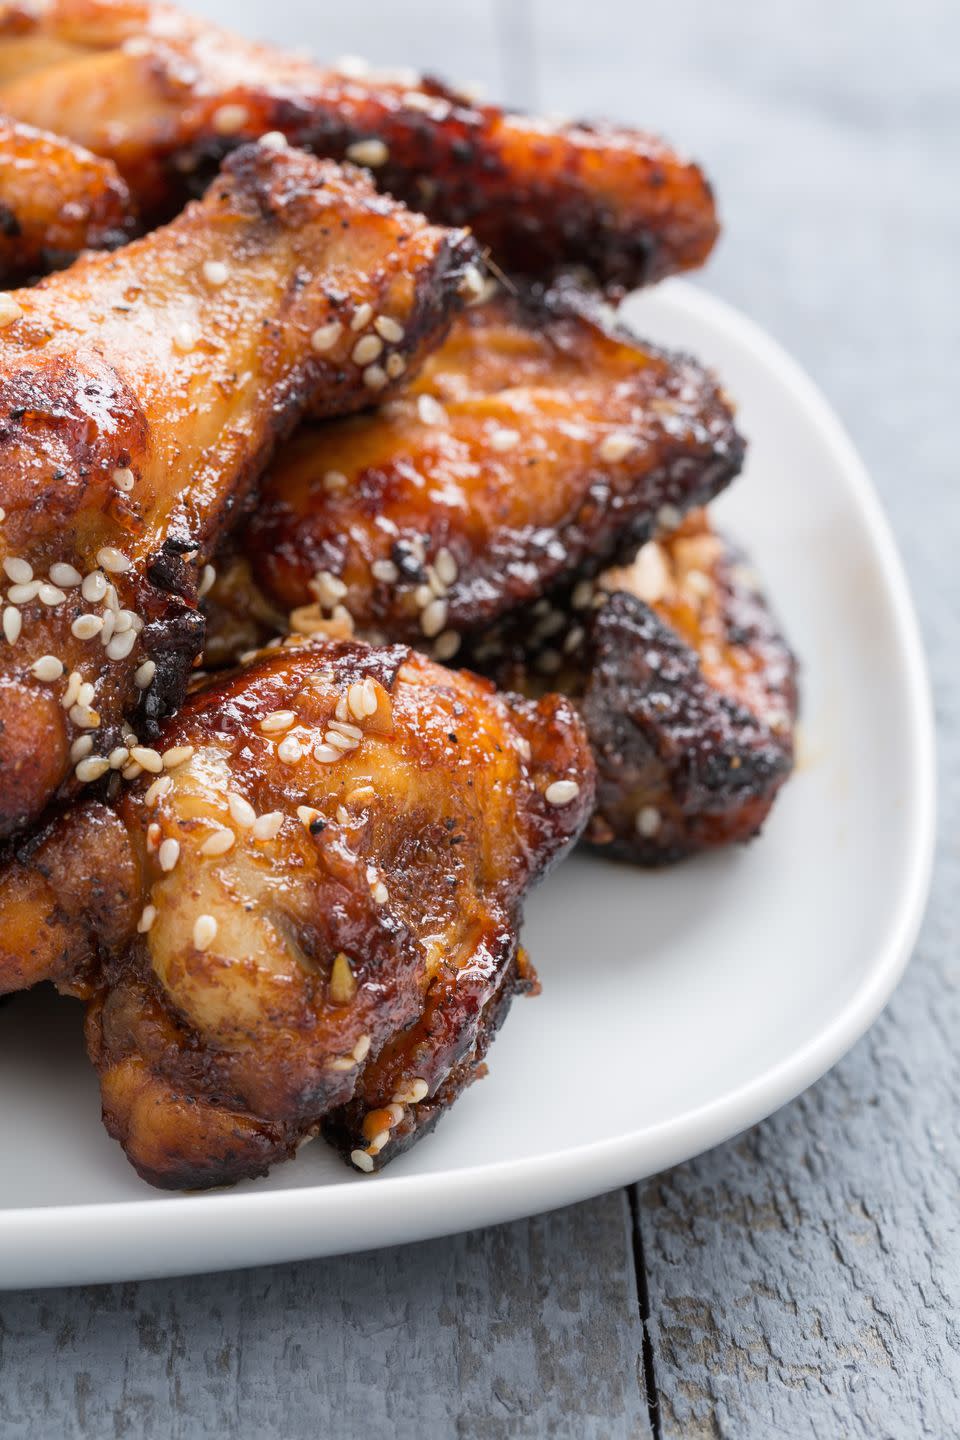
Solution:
(356, 563)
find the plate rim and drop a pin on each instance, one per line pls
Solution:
(443, 1202)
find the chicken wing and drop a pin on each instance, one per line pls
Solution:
(141, 393)
(534, 446)
(166, 96)
(313, 906)
(56, 199)
(685, 684)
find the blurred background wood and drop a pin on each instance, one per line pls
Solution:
(803, 1280)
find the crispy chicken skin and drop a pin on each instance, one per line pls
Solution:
(166, 95)
(685, 684)
(56, 199)
(534, 446)
(312, 912)
(141, 394)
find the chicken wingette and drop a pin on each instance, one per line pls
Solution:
(685, 683)
(166, 95)
(536, 446)
(308, 918)
(56, 199)
(141, 394)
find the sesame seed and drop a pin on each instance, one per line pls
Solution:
(121, 645)
(118, 757)
(648, 821)
(368, 152)
(207, 581)
(380, 893)
(582, 597)
(416, 1091)
(228, 119)
(375, 377)
(177, 755)
(23, 594)
(361, 795)
(389, 329)
(471, 286)
(430, 411)
(131, 771)
(362, 1048)
(362, 1161)
(215, 273)
(50, 594)
(355, 701)
(48, 667)
(340, 742)
(343, 815)
(169, 854)
(327, 588)
(367, 348)
(276, 721)
(94, 586)
(326, 336)
(124, 479)
(446, 566)
(306, 814)
(19, 571)
(144, 674)
(446, 645)
(616, 446)
(241, 810)
(9, 311)
(386, 571)
(110, 559)
(83, 717)
(147, 916)
(184, 340)
(395, 366)
(504, 439)
(561, 792)
(69, 696)
(361, 317)
(343, 986)
(326, 754)
(416, 100)
(343, 727)
(66, 576)
(147, 758)
(335, 480)
(3, 513)
(523, 747)
(289, 750)
(371, 701)
(86, 626)
(80, 747)
(218, 843)
(204, 932)
(109, 622)
(12, 624)
(274, 140)
(422, 596)
(267, 827)
(433, 617)
(91, 769)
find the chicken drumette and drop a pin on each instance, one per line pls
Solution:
(166, 95)
(141, 394)
(308, 917)
(56, 199)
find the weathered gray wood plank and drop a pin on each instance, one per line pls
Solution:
(530, 1329)
(805, 1281)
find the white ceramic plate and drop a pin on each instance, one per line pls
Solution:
(677, 1008)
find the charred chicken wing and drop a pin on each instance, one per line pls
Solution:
(308, 916)
(56, 199)
(686, 687)
(534, 446)
(141, 394)
(166, 96)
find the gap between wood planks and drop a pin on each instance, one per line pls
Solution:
(643, 1304)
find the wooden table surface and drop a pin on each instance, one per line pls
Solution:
(804, 1280)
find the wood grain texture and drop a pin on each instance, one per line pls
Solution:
(529, 1329)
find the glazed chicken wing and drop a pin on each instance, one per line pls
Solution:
(685, 684)
(534, 446)
(56, 199)
(308, 916)
(166, 96)
(141, 394)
